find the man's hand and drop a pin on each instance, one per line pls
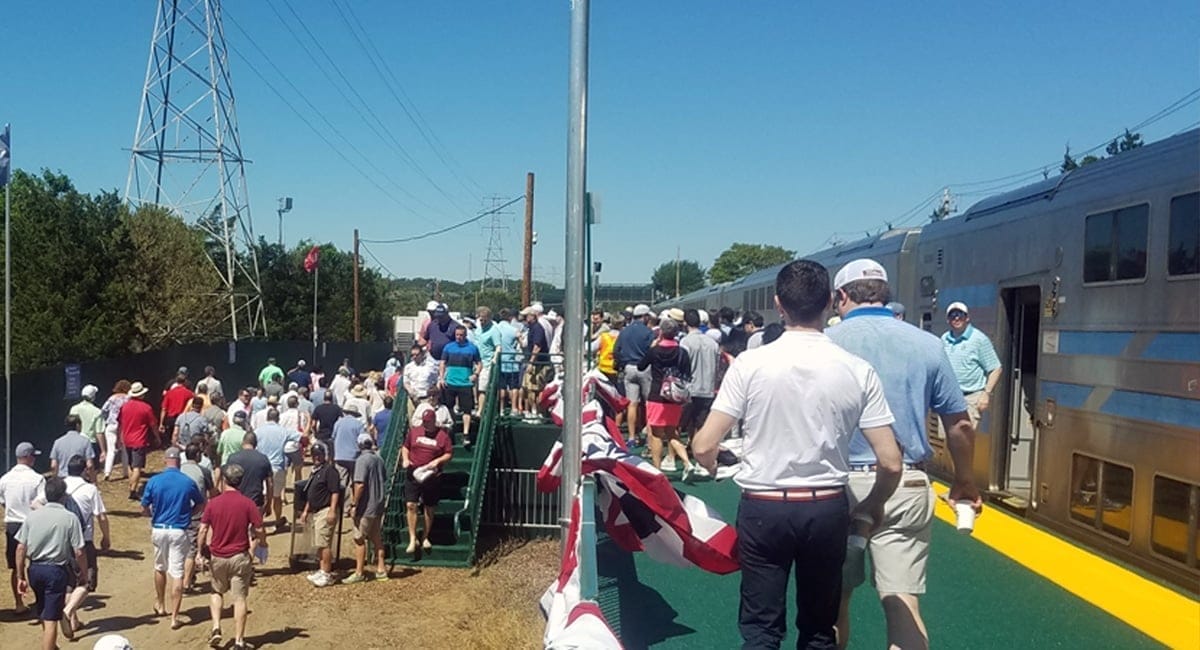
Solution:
(872, 509)
(104, 543)
(406, 463)
(22, 586)
(304, 516)
(983, 402)
(103, 457)
(331, 518)
(965, 492)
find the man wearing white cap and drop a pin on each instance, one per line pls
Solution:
(18, 489)
(91, 421)
(973, 358)
(916, 378)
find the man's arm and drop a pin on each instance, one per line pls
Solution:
(706, 442)
(442, 373)
(269, 484)
(887, 472)
(22, 569)
(404, 461)
(993, 379)
(335, 506)
(357, 494)
(102, 522)
(960, 438)
(201, 541)
(81, 561)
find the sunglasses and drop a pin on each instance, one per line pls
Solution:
(955, 315)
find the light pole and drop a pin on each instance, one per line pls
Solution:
(285, 205)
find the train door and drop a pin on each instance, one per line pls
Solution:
(1023, 307)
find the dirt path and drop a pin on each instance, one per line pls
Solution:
(490, 607)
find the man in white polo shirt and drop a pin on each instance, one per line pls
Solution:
(800, 400)
(18, 489)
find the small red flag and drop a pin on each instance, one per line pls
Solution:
(312, 259)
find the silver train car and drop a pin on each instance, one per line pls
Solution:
(1088, 284)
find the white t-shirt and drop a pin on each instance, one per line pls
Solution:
(87, 497)
(444, 419)
(18, 490)
(801, 398)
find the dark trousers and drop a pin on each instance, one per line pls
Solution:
(775, 538)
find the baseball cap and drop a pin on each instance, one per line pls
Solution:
(431, 305)
(860, 269)
(318, 449)
(172, 453)
(957, 306)
(429, 416)
(301, 363)
(675, 314)
(365, 439)
(641, 310)
(113, 642)
(239, 416)
(26, 449)
(89, 391)
(897, 308)
(538, 308)
(440, 309)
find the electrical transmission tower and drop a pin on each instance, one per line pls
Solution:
(495, 273)
(187, 151)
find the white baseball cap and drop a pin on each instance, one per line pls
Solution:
(431, 305)
(89, 391)
(641, 310)
(959, 306)
(860, 269)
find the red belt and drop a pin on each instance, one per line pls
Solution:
(795, 494)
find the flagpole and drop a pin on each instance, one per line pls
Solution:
(316, 280)
(7, 304)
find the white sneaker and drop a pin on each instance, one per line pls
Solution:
(427, 545)
(323, 580)
(412, 547)
(313, 577)
(688, 473)
(668, 464)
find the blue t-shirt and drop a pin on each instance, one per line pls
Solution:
(510, 347)
(488, 341)
(914, 371)
(171, 497)
(272, 438)
(972, 357)
(632, 343)
(460, 361)
(381, 421)
(345, 437)
(439, 335)
(535, 334)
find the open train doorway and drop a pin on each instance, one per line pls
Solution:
(1023, 309)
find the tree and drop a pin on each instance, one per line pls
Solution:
(740, 260)
(691, 277)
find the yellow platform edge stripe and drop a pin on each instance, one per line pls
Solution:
(1161, 613)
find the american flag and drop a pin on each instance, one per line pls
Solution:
(642, 510)
(572, 622)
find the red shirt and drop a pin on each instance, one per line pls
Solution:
(230, 515)
(393, 383)
(138, 423)
(177, 399)
(422, 450)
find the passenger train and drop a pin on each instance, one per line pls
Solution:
(1088, 284)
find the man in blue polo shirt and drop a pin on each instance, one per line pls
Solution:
(632, 344)
(488, 339)
(170, 499)
(457, 374)
(916, 377)
(974, 360)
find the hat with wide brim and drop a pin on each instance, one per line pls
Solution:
(138, 389)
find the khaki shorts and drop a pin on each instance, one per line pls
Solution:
(973, 411)
(367, 528)
(322, 529)
(232, 575)
(278, 481)
(900, 549)
(485, 376)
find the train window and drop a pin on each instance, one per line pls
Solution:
(1102, 495)
(1116, 493)
(1176, 509)
(1115, 244)
(1183, 249)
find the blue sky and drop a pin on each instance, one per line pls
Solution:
(773, 122)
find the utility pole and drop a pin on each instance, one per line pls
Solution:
(676, 271)
(527, 261)
(357, 335)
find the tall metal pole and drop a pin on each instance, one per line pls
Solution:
(357, 336)
(527, 261)
(316, 281)
(7, 316)
(573, 339)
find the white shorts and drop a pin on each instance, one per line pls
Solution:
(900, 549)
(170, 548)
(485, 375)
(278, 479)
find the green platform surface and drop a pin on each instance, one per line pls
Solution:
(977, 598)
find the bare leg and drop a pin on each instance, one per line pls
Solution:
(189, 569)
(676, 445)
(20, 602)
(135, 477)
(904, 625)
(49, 635)
(466, 426)
(411, 515)
(239, 620)
(160, 591)
(277, 507)
(843, 623)
(214, 610)
(74, 601)
(380, 555)
(327, 560)
(176, 598)
(428, 521)
(631, 417)
(360, 556)
(656, 446)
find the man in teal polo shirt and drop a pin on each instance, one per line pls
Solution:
(974, 360)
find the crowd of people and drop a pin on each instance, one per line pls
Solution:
(831, 413)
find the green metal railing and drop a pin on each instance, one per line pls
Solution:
(481, 462)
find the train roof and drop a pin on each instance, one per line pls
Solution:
(1169, 157)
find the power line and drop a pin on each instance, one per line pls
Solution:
(418, 120)
(320, 134)
(404, 153)
(370, 254)
(447, 229)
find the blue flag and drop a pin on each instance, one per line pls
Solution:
(4, 157)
